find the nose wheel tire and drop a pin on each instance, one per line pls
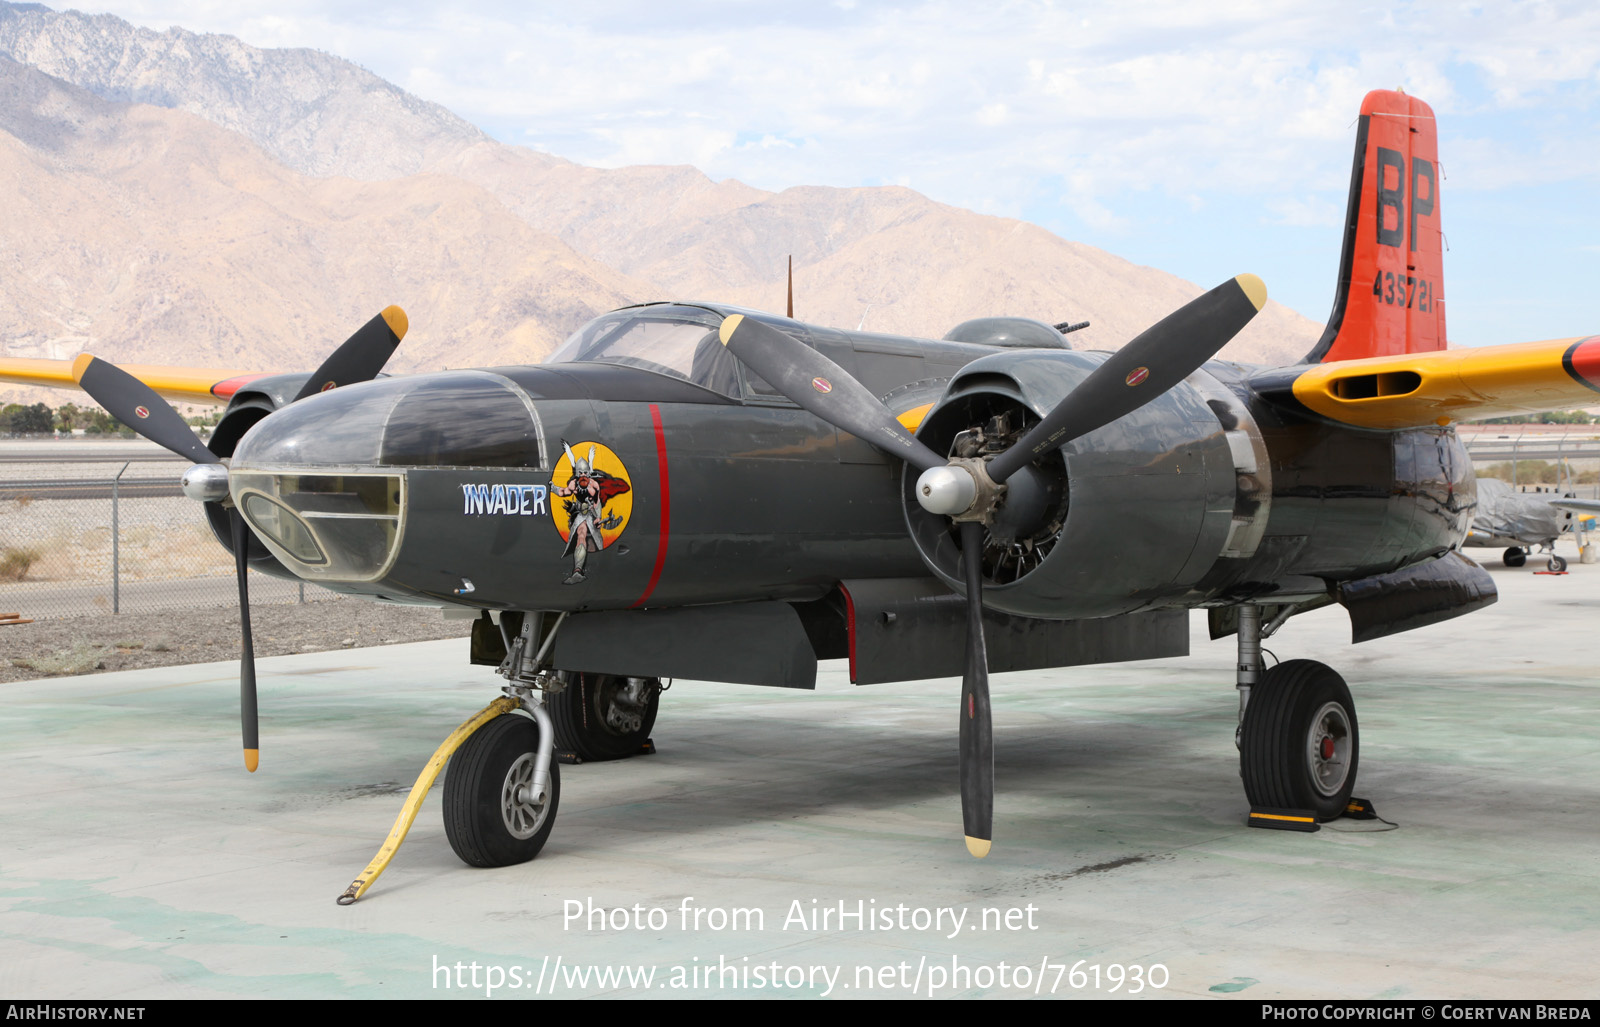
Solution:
(1299, 744)
(490, 814)
(1557, 564)
(604, 716)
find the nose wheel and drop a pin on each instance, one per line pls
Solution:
(1299, 746)
(497, 811)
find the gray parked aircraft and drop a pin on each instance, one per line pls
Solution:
(1522, 522)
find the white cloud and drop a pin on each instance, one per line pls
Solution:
(975, 104)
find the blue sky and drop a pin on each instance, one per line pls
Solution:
(1204, 138)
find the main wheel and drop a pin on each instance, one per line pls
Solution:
(1557, 563)
(604, 716)
(1515, 557)
(489, 815)
(1299, 746)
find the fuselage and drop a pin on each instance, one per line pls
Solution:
(608, 480)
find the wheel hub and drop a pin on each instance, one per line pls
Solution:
(1328, 754)
(521, 810)
(625, 706)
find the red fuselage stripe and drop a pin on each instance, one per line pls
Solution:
(666, 504)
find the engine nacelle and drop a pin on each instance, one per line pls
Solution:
(248, 406)
(1133, 514)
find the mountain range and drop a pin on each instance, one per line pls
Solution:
(190, 199)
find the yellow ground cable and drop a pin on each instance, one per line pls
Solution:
(419, 791)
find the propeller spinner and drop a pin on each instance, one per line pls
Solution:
(970, 491)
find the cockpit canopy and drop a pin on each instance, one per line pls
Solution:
(673, 339)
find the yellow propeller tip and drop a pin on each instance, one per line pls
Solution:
(729, 326)
(979, 847)
(396, 319)
(81, 365)
(1254, 288)
(252, 759)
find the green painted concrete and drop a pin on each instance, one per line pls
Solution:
(139, 860)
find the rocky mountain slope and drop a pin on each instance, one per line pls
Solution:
(314, 112)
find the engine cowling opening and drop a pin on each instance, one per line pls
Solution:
(1128, 517)
(1028, 519)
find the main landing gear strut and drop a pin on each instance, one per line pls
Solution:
(1299, 746)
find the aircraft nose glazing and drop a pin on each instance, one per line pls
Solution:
(449, 419)
(324, 481)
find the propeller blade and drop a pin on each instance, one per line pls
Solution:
(1160, 357)
(977, 731)
(822, 387)
(247, 655)
(138, 406)
(360, 357)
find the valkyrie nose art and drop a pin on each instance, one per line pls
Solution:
(324, 481)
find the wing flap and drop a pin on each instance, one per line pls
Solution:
(184, 384)
(1411, 390)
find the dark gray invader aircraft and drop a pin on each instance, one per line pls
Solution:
(695, 491)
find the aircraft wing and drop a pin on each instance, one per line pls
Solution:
(184, 384)
(1411, 390)
(1583, 506)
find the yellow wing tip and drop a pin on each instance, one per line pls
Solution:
(252, 759)
(729, 326)
(1254, 289)
(396, 319)
(979, 847)
(80, 366)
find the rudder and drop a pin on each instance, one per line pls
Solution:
(1390, 297)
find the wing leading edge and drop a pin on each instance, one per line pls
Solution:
(1411, 390)
(184, 384)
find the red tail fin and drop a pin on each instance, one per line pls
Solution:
(1391, 282)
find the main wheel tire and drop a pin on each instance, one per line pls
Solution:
(1515, 557)
(604, 716)
(1558, 564)
(1299, 745)
(488, 816)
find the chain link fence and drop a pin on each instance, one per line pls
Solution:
(130, 542)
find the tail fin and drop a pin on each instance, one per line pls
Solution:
(1390, 298)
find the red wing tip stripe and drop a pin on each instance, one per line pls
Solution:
(228, 386)
(1582, 362)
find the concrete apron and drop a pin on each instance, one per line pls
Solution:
(139, 860)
